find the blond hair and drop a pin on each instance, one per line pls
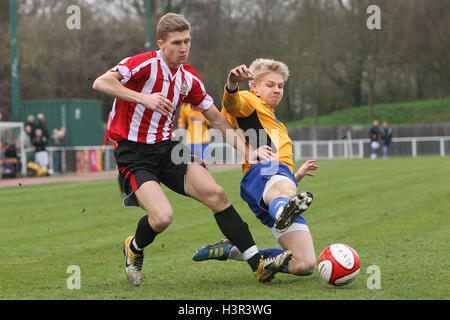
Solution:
(260, 67)
(171, 22)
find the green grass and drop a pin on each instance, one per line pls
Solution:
(424, 111)
(395, 213)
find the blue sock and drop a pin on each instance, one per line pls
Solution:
(272, 252)
(285, 269)
(275, 205)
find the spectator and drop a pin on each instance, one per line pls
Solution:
(40, 142)
(63, 141)
(30, 120)
(29, 135)
(59, 137)
(55, 138)
(32, 124)
(386, 138)
(10, 161)
(41, 125)
(374, 135)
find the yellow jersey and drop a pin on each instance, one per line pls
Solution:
(196, 125)
(245, 110)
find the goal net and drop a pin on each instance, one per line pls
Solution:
(12, 150)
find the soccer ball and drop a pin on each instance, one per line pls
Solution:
(338, 264)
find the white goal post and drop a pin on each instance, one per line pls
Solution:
(13, 133)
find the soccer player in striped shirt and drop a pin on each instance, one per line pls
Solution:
(148, 88)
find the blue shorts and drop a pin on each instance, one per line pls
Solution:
(198, 149)
(252, 188)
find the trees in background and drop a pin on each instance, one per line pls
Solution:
(334, 59)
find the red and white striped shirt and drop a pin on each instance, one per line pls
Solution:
(148, 73)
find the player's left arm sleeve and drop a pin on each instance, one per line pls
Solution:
(197, 97)
(235, 105)
(231, 102)
(205, 103)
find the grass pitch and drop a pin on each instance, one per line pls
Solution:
(395, 213)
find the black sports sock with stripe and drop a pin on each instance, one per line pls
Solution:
(237, 231)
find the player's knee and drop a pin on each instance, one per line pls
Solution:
(216, 197)
(302, 267)
(162, 223)
(309, 268)
(220, 193)
(161, 219)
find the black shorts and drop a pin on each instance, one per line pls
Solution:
(164, 162)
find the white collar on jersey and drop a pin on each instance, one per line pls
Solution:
(166, 68)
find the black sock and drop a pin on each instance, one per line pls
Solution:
(144, 235)
(254, 261)
(237, 231)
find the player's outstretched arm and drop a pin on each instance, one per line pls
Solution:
(219, 122)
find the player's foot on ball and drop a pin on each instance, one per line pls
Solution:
(133, 263)
(268, 267)
(218, 251)
(296, 206)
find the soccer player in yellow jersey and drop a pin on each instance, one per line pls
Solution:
(197, 136)
(268, 187)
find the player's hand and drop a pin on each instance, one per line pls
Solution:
(263, 153)
(303, 171)
(238, 74)
(157, 102)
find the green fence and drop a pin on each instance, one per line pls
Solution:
(82, 119)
